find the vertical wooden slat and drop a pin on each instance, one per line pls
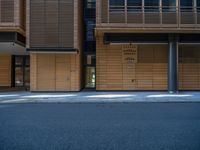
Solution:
(54, 72)
(7, 10)
(52, 23)
(33, 72)
(148, 73)
(5, 70)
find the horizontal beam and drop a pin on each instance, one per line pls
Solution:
(149, 38)
(53, 50)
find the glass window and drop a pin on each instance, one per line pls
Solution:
(90, 25)
(186, 5)
(198, 5)
(90, 77)
(151, 5)
(19, 76)
(117, 2)
(117, 5)
(134, 5)
(169, 5)
(18, 61)
(90, 46)
(91, 4)
(22, 71)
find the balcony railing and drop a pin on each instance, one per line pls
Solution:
(143, 16)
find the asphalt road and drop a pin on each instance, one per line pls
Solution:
(125, 126)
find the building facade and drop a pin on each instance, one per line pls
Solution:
(148, 45)
(54, 40)
(68, 45)
(14, 64)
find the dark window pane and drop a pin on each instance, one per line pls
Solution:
(90, 25)
(18, 61)
(90, 4)
(19, 81)
(169, 5)
(90, 46)
(151, 2)
(186, 5)
(90, 13)
(134, 2)
(198, 5)
(151, 5)
(134, 5)
(117, 5)
(117, 2)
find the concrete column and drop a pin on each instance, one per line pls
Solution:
(173, 65)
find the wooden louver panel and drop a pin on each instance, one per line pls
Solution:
(189, 68)
(5, 70)
(7, 10)
(66, 26)
(148, 73)
(51, 23)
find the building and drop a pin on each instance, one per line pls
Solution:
(54, 40)
(148, 45)
(120, 45)
(14, 64)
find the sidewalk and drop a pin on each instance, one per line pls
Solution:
(97, 97)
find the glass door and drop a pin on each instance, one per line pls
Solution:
(21, 71)
(90, 77)
(90, 71)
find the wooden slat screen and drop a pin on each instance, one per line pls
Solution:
(169, 18)
(23, 14)
(148, 73)
(51, 23)
(189, 68)
(104, 11)
(117, 17)
(135, 17)
(54, 72)
(7, 10)
(152, 18)
(187, 18)
(5, 70)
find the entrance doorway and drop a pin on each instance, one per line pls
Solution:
(90, 77)
(90, 71)
(21, 71)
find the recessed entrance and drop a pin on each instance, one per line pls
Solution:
(21, 71)
(90, 77)
(90, 71)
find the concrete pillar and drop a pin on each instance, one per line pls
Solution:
(173, 65)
